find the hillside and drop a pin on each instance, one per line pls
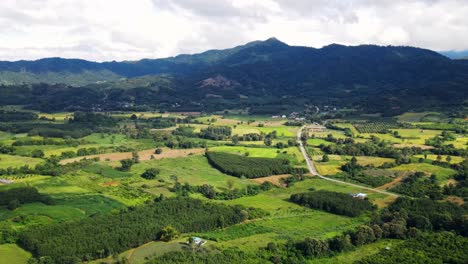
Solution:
(394, 77)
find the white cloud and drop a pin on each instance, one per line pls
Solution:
(128, 30)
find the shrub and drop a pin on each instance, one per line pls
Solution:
(150, 173)
(126, 164)
(13, 204)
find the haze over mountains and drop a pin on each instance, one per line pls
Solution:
(265, 70)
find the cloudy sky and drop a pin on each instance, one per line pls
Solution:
(104, 30)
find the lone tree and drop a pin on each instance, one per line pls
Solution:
(235, 139)
(135, 157)
(13, 204)
(150, 173)
(325, 158)
(230, 184)
(168, 233)
(126, 164)
(37, 153)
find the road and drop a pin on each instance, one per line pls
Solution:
(314, 171)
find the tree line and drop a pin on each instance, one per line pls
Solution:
(210, 192)
(216, 132)
(15, 116)
(333, 202)
(14, 197)
(51, 167)
(241, 166)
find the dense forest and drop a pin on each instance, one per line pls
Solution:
(103, 235)
(270, 75)
(241, 166)
(333, 202)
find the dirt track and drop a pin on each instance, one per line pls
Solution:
(273, 179)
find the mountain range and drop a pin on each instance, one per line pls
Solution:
(457, 55)
(266, 72)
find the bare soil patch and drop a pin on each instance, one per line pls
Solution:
(455, 199)
(412, 145)
(391, 184)
(276, 179)
(382, 203)
(111, 183)
(144, 155)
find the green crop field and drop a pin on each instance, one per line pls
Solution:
(442, 174)
(317, 142)
(324, 134)
(12, 254)
(412, 117)
(194, 170)
(459, 142)
(291, 153)
(336, 161)
(453, 159)
(17, 161)
(56, 116)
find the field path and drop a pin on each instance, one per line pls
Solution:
(391, 184)
(313, 170)
(144, 155)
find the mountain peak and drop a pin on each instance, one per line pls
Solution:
(274, 41)
(268, 42)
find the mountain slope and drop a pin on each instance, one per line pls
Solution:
(259, 72)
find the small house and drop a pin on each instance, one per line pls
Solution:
(4, 181)
(359, 195)
(197, 241)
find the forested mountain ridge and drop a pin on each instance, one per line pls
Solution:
(270, 70)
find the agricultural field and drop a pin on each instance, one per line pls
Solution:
(452, 160)
(459, 142)
(410, 117)
(442, 174)
(332, 166)
(360, 253)
(13, 254)
(7, 161)
(108, 165)
(291, 153)
(374, 127)
(56, 116)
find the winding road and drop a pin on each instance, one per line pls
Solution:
(314, 171)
